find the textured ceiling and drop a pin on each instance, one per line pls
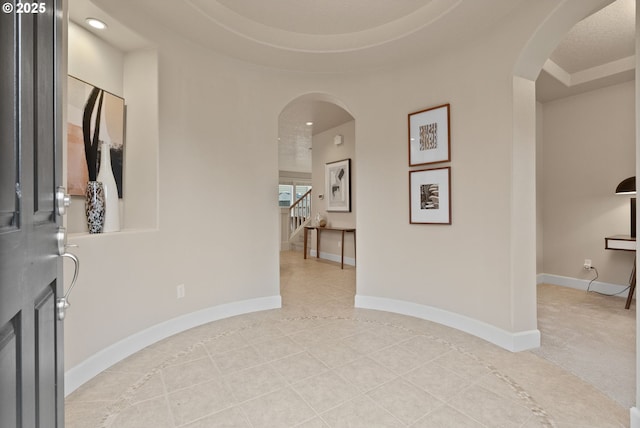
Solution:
(294, 135)
(598, 51)
(605, 36)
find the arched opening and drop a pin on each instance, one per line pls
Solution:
(315, 134)
(528, 130)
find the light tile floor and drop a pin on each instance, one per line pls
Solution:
(318, 362)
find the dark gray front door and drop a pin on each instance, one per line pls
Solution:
(31, 359)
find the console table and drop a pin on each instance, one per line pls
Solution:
(318, 229)
(624, 243)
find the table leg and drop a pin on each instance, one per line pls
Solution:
(632, 285)
(305, 242)
(354, 246)
(318, 243)
(342, 255)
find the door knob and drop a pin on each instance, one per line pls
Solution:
(63, 200)
(61, 239)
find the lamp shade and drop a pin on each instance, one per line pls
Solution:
(626, 186)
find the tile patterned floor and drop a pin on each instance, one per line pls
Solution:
(318, 362)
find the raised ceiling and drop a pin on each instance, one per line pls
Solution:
(344, 35)
(320, 35)
(598, 51)
(604, 37)
(328, 17)
(339, 35)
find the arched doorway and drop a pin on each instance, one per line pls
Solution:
(526, 70)
(315, 131)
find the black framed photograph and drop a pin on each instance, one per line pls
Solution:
(429, 136)
(430, 196)
(337, 177)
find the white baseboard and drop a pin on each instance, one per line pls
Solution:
(333, 257)
(635, 417)
(514, 342)
(109, 356)
(582, 284)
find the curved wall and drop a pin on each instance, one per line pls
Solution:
(217, 173)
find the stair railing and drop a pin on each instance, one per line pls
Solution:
(299, 214)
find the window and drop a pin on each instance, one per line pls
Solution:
(301, 190)
(284, 195)
(285, 192)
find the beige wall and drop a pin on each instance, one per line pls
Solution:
(140, 200)
(588, 148)
(92, 58)
(118, 270)
(539, 187)
(217, 148)
(96, 62)
(325, 151)
(178, 177)
(133, 76)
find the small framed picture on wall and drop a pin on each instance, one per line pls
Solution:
(430, 196)
(337, 177)
(429, 136)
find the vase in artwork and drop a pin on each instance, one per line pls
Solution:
(94, 206)
(105, 175)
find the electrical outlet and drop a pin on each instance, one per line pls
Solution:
(587, 264)
(180, 291)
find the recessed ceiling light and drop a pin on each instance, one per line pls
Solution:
(309, 123)
(96, 23)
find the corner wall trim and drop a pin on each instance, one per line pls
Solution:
(102, 360)
(514, 342)
(635, 417)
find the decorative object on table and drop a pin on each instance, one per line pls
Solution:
(430, 196)
(321, 221)
(112, 214)
(337, 177)
(94, 206)
(429, 136)
(102, 114)
(628, 187)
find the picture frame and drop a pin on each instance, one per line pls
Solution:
(338, 185)
(112, 129)
(429, 136)
(430, 196)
